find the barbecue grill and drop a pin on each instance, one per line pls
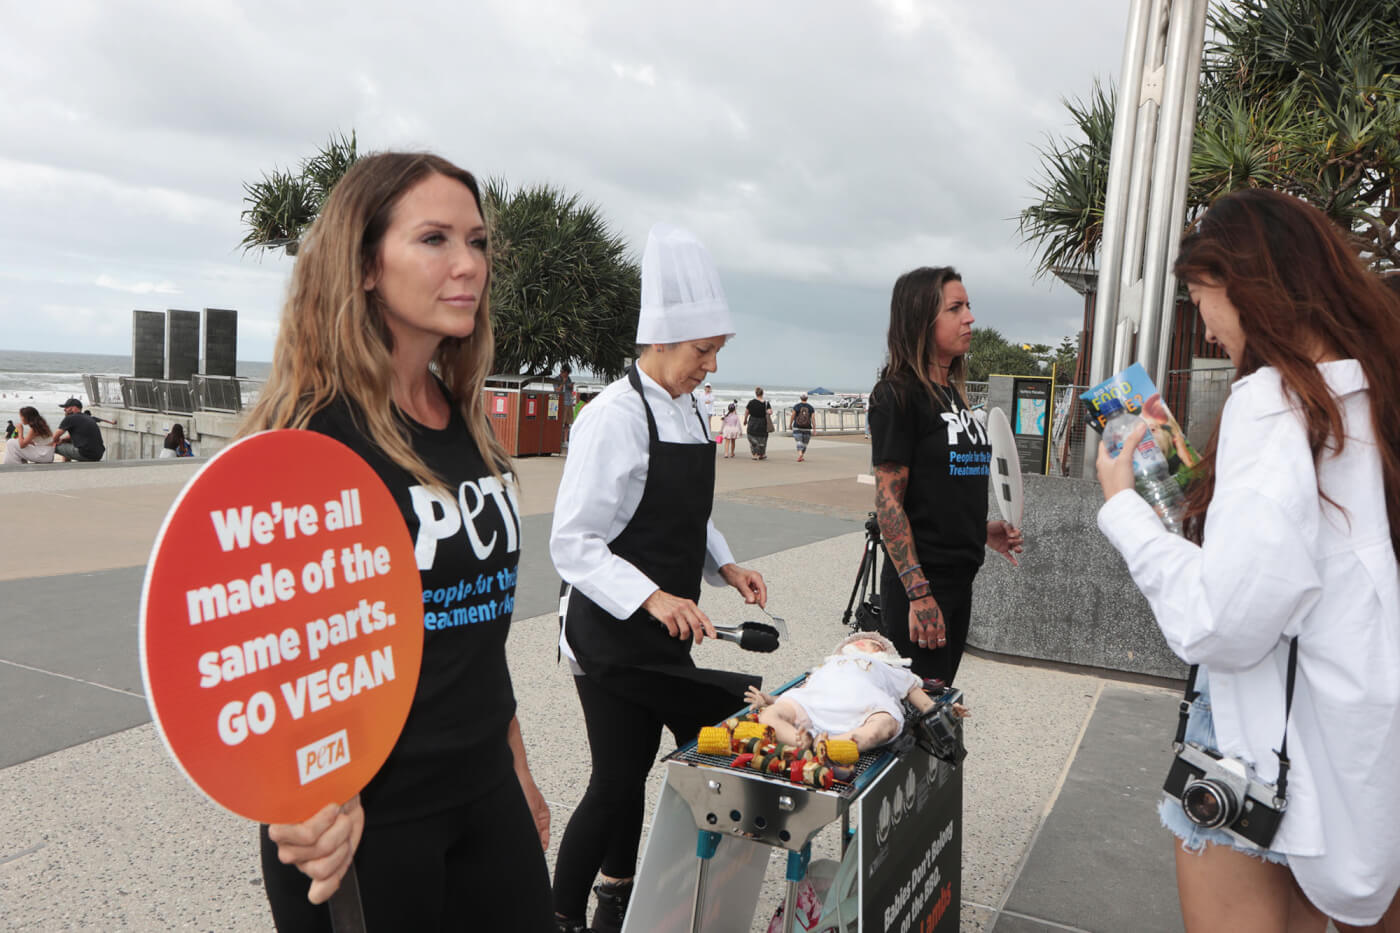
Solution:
(747, 810)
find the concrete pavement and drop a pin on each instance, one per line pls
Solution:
(98, 830)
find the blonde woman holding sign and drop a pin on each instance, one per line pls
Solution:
(384, 344)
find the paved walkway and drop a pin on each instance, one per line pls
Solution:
(99, 831)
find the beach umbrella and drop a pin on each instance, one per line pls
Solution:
(819, 390)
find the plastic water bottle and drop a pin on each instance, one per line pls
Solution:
(1153, 476)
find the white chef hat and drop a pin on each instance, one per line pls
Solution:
(682, 298)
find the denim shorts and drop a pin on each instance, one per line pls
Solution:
(1200, 728)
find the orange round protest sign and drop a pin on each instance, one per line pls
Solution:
(282, 626)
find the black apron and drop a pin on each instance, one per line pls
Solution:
(666, 540)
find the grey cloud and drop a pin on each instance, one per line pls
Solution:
(819, 148)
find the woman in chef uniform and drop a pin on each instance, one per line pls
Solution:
(632, 540)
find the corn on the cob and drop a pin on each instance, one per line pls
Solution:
(749, 730)
(713, 740)
(838, 751)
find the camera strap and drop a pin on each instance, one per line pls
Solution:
(1184, 711)
(1282, 751)
(1282, 782)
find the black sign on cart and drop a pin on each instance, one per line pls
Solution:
(911, 848)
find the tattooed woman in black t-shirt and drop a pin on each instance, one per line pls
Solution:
(384, 344)
(931, 460)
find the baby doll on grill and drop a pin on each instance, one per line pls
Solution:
(854, 694)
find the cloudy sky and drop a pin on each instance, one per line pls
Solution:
(818, 147)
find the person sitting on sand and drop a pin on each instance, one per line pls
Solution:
(854, 694)
(33, 442)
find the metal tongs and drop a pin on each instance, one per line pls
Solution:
(754, 636)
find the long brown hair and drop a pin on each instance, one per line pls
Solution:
(1301, 292)
(915, 304)
(30, 416)
(333, 341)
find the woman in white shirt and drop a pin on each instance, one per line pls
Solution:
(1293, 521)
(33, 442)
(632, 539)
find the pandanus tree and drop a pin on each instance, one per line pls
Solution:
(282, 204)
(1298, 95)
(564, 288)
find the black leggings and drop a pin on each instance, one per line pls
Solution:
(954, 597)
(606, 829)
(478, 867)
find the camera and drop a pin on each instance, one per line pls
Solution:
(939, 731)
(1217, 793)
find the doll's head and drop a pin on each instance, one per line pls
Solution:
(866, 643)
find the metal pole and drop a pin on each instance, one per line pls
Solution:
(796, 871)
(1166, 175)
(706, 843)
(1144, 203)
(1111, 242)
(1130, 297)
(1181, 184)
(1116, 197)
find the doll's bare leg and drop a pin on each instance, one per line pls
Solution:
(789, 721)
(878, 729)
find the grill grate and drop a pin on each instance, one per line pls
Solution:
(846, 790)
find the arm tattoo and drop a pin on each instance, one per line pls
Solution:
(926, 626)
(891, 481)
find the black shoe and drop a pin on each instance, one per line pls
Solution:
(612, 906)
(565, 925)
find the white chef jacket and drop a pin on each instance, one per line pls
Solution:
(1278, 561)
(604, 476)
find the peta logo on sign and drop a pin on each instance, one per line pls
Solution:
(323, 756)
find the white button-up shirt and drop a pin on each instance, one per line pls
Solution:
(604, 477)
(1280, 561)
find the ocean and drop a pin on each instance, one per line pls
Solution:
(44, 379)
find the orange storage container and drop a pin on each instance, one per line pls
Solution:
(527, 419)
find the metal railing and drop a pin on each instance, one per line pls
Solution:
(845, 419)
(176, 397)
(217, 393)
(140, 394)
(172, 396)
(103, 390)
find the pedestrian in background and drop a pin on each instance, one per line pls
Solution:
(729, 429)
(707, 405)
(565, 385)
(758, 416)
(802, 416)
(175, 443)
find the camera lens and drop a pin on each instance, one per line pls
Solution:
(1209, 803)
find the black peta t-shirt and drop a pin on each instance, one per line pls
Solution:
(948, 456)
(454, 744)
(758, 417)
